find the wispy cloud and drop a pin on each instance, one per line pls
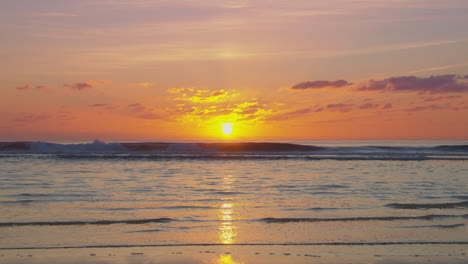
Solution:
(24, 88)
(80, 86)
(342, 107)
(30, 87)
(144, 84)
(369, 106)
(30, 118)
(98, 105)
(436, 84)
(142, 111)
(434, 107)
(319, 84)
(293, 114)
(203, 96)
(441, 98)
(432, 85)
(438, 68)
(387, 106)
(103, 106)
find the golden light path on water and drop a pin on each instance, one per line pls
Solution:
(227, 259)
(227, 231)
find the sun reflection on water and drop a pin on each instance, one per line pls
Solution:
(227, 259)
(226, 230)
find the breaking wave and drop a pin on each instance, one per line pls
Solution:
(233, 150)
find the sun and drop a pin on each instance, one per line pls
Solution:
(227, 128)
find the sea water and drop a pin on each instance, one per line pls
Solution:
(159, 194)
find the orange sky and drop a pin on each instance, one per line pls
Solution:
(277, 70)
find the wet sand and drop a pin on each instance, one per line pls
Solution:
(225, 254)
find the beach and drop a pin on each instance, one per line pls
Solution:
(399, 254)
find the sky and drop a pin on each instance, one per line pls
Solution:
(274, 69)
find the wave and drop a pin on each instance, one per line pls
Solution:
(361, 243)
(145, 231)
(233, 150)
(436, 226)
(258, 156)
(316, 209)
(428, 205)
(266, 220)
(100, 222)
(181, 207)
(154, 147)
(461, 197)
(369, 218)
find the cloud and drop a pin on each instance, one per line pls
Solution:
(30, 118)
(202, 96)
(339, 120)
(432, 85)
(300, 111)
(24, 88)
(342, 107)
(224, 110)
(180, 90)
(434, 107)
(64, 114)
(144, 112)
(248, 108)
(320, 84)
(440, 98)
(369, 106)
(144, 84)
(98, 105)
(206, 113)
(438, 68)
(150, 116)
(74, 86)
(422, 108)
(103, 106)
(387, 106)
(80, 86)
(437, 84)
(30, 87)
(101, 82)
(293, 114)
(140, 108)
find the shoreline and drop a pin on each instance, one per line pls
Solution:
(228, 254)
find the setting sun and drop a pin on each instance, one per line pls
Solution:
(227, 128)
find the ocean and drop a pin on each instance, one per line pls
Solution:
(333, 194)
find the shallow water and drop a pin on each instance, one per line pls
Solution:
(68, 200)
